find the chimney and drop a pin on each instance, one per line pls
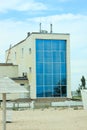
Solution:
(28, 34)
(40, 27)
(51, 28)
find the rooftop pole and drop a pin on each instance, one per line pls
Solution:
(51, 28)
(40, 27)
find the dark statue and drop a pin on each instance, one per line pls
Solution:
(83, 81)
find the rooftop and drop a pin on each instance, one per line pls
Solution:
(41, 33)
(7, 64)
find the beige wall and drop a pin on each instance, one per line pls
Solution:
(24, 60)
(18, 95)
(68, 70)
(9, 71)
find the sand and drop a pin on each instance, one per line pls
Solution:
(48, 119)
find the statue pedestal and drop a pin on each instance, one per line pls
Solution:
(84, 98)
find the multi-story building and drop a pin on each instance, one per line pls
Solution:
(45, 59)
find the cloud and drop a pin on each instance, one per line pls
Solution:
(64, 0)
(7, 5)
(31, 6)
(15, 31)
(61, 17)
(21, 5)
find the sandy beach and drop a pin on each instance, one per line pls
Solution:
(47, 119)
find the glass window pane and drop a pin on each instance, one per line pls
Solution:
(63, 68)
(63, 56)
(56, 56)
(55, 44)
(47, 79)
(39, 44)
(39, 79)
(63, 79)
(47, 68)
(56, 68)
(47, 44)
(39, 56)
(56, 80)
(47, 56)
(63, 90)
(63, 44)
(40, 91)
(39, 68)
(48, 91)
(56, 91)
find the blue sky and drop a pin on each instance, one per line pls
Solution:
(17, 17)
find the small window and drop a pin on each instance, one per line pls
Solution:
(29, 50)
(30, 69)
(15, 55)
(22, 52)
(24, 74)
(22, 84)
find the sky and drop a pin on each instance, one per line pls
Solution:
(17, 17)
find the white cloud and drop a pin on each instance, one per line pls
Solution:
(14, 31)
(7, 5)
(21, 5)
(64, 0)
(31, 6)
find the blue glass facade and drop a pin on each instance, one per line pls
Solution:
(51, 68)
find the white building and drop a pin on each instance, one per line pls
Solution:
(45, 59)
(11, 71)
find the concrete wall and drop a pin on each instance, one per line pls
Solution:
(9, 71)
(18, 95)
(12, 72)
(68, 69)
(84, 98)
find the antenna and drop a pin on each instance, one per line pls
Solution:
(40, 27)
(51, 28)
(9, 50)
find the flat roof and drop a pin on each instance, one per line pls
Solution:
(7, 64)
(50, 33)
(41, 33)
(19, 78)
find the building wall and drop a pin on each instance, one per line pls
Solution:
(25, 60)
(24, 55)
(9, 71)
(68, 69)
